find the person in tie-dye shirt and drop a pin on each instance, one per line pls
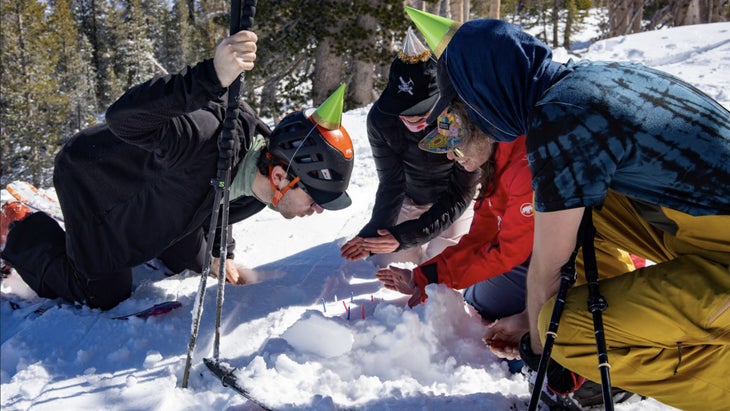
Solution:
(651, 155)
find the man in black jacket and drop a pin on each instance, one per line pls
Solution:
(423, 200)
(139, 186)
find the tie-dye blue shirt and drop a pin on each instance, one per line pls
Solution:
(593, 126)
(635, 130)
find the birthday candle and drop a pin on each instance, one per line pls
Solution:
(348, 313)
(362, 311)
(324, 307)
(352, 296)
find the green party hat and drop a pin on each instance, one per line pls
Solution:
(329, 113)
(437, 30)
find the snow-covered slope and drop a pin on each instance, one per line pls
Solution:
(290, 331)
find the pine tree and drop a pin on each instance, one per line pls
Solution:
(75, 75)
(356, 37)
(211, 25)
(284, 62)
(175, 38)
(154, 14)
(93, 17)
(134, 61)
(33, 108)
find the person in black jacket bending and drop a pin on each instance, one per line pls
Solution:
(139, 186)
(423, 200)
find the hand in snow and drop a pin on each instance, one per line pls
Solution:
(232, 274)
(384, 244)
(401, 280)
(503, 336)
(397, 279)
(354, 250)
(416, 298)
(234, 55)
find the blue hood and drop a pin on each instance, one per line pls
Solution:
(500, 72)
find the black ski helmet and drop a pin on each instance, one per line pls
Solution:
(322, 158)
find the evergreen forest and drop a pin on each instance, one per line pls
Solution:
(62, 62)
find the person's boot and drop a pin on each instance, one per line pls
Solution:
(590, 394)
(549, 399)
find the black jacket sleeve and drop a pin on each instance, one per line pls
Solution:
(403, 169)
(180, 116)
(443, 212)
(391, 188)
(164, 116)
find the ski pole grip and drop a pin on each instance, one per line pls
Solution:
(242, 14)
(248, 11)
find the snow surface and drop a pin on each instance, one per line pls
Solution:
(290, 332)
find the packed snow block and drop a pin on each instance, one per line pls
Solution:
(316, 334)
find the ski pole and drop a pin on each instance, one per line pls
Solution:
(201, 290)
(241, 19)
(596, 305)
(567, 278)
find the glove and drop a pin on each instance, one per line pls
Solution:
(560, 380)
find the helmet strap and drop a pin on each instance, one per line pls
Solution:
(278, 194)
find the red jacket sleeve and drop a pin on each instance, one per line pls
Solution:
(499, 239)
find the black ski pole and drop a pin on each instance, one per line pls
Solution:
(242, 14)
(567, 278)
(241, 19)
(596, 305)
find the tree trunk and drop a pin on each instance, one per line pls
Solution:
(328, 71)
(556, 22)
(714, 11)
(686, 12)
(624, 17)
(457, 10)
(268, 98)
(638, 16)
(360, 89)
(433, 8)
(493, 9)
(572, 9)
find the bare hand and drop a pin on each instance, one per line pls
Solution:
(234, 55)
(232, 274)
(397, 279)
(416, 298)
(503, 336)
(384, 244)
(354, 249)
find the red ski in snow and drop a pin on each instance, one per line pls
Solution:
(36, 199)
(156, 309)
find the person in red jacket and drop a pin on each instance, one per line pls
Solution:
(490, 262)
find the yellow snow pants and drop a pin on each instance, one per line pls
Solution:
(667, 326)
